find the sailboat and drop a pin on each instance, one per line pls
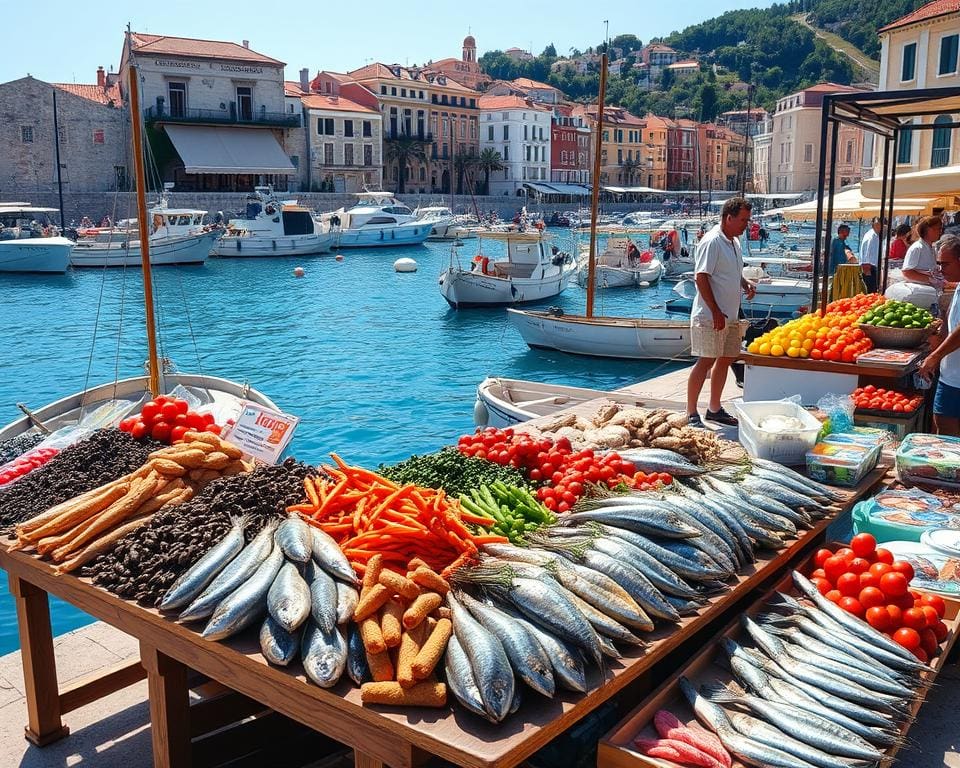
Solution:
(217, 394)
(614, 337)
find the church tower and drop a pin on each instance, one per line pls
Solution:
(470, 49)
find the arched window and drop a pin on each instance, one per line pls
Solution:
(940, 154)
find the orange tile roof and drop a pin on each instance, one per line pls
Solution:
(204, 49)
(101, 95)
(510, 102)
(923, 13)
(831, 88)
(378, 70)
(334, 104)
(526, 82)
(292, 88)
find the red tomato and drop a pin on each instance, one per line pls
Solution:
(818, 574)
(563, 507)
(859, 565)
(896, 616)
(160, 431)
(914, 619)
(835, 567)
(823, 586)
(884, 556)
(851, 605)
(871, 596)
(921, 655)
(878, 618)
(868, 579)
(863, 544)
(931, 615)
(893, 584)
(149, 411)
(908, 638)
(935, 602)
(569, 498)
(127, 424)
(196, 421)
(208, 418)
(846, 553)
(849, 584)
(906, 602)
(139, 431)
(879, 569)
(941, 631)
(177, 433)
(902, 566)
(169, 412)
(536, 475)
(833, 596)
(182, 406)
(550, 503)
(821, 557)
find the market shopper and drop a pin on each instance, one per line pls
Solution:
(945, 358)
(840, 252)
(870, 254)
(714, 320)
(920, 261)
(900, 243)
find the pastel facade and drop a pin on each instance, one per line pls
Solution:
(520, 131)
(570, 156)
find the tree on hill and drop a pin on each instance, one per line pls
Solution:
(550, 52)
(857, 21)
(627, 43)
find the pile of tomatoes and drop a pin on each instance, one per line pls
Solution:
(880, 399)
(856, 304)
(25, 464)
(167, 420)
(561, 472)
(866, 581)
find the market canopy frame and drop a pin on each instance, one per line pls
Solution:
(885, 114)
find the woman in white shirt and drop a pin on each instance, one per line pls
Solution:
(920, 261)
(945, 358)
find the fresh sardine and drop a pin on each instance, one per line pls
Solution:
(347, 599)
(295, 539)
(288, 600)
(247, 603)
(328, 555)
(324, 655)
(358, 669)
(647, 596)
(697, 568)
(459, 675)
(661, 460)
(322, 597)
(276, 644)
(566, 659)
(605, 594)
(659, 575)
(195, 579)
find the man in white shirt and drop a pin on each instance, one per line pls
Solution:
(946, 356)
(870, 254)
(715, 315)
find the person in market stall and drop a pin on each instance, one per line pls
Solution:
(714, 319)
(920, 261)
(870, 254)
(900, 243)
(945, 357)
(840, 252)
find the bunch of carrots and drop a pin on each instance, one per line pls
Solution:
(368, 515)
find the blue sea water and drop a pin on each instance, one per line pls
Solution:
(374, 362)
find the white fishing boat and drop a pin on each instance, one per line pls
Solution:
(530, 271)
(620, 265)
(377, 220)
(177, 236)
(504, 402)
(26, 247)
(775, 297)
(273, 227)
(625, 338)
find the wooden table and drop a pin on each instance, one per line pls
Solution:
(379, 736)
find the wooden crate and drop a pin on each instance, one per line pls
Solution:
(616, 748)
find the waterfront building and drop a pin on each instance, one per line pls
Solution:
(93, 131)
(520, 131)
(739, 121)
(762, 143)
(920, 50)
(570, 145)
(518, 54)
(652, 167)
(215, 113)
(345, 144)
(621, 146)
(715, 171)
(795, 148)
(464, 70)
(682, 154)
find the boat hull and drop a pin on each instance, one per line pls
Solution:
(387, 237)
(462, 288)
(39, 254)
(286, 245)
(612, 337)
(190, 249)
(618, 277)
(763, 305)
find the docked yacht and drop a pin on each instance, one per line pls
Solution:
(272, 227)
(775, 297)
(621, 264)
(377, 220)
(441, 220)
(177, 236)
(25, 246)
(530, 272)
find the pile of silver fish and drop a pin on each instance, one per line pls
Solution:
(291, 576)
(607, 572)
(817, 686)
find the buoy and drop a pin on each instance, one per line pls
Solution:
(339, 257)
(405, 265)
(644, 284)
(298, 272)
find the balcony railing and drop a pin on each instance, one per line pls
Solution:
(390, 135)
(223, 117)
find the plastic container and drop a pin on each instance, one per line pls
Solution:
(841, 464)
(924, 459)
(934, 570)
(783, 447)
(904, 515)
(869, 437)
(946, 540)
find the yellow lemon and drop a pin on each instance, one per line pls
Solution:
(795, 343)
(811, 334)
(793, 352)
(804, 353)
(764, 348)
(776, 350)
(753, 348)
(807, 345)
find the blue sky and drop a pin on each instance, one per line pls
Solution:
(64, 41)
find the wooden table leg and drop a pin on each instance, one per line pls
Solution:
(362, 760)
(169, 708)
(44, 725)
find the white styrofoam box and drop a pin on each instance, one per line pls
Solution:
(784, 447)
(761, 382)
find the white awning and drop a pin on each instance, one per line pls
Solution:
(775, 196)
(638, 190)
(542, 189)
(851, 204)
(570, 189)
(218, 149)
(932, 182)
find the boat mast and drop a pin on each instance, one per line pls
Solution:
(595, 196)
(143, 228)
(56, 146)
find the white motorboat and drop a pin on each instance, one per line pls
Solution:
(27, 247)
(177, 236)
(775, 297)
(530, 272)
(504, 402)
(377, 220)
(621, 264)
(441, 220)
(272, 227)
(617, 337)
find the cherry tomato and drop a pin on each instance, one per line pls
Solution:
(893, 584)
(182, 406)
(818, 574)
(902, 566)
(835, 567)
(906, 602)
(196, 421)
(169, 412)
(177, 433)
(149, 412)
(823, 586)
(834, 596)
(871, 596)
(884, 556)
(879, 569)
(878, 618)
(914, 619)
(935, 602)
(896, 616)
(127, 424)
(849, 584)
(160, 431)
(863, 544)
(907, 637)
(859, 565)
(941, 631)
(846, 553)
(851, 605)
(931, 615)
(868, 579)
(536, 475)
(821, 557)
(921, 655)
(139, 431)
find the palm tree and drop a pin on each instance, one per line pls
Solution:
(489, 161)
(464, 165)
(404, 149)
(628, 168)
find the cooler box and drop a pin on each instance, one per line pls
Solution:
(904, 515)
(841, 464)
(929, 460)
(784, 447)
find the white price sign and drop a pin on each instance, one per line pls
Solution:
(261, 432)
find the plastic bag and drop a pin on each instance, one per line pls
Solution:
(839, 410)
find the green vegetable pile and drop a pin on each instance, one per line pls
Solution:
(514, 510)
(452, 471)
(897, 314)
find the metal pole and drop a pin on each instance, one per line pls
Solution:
(143, 228)
(884, 255)
(821, 180)
(595, 197)
(746, 142)
(834, 130)
(893, 182)
(56, 145)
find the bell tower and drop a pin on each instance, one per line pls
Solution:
(470, 49)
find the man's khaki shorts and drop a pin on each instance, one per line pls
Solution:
(706, 342)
